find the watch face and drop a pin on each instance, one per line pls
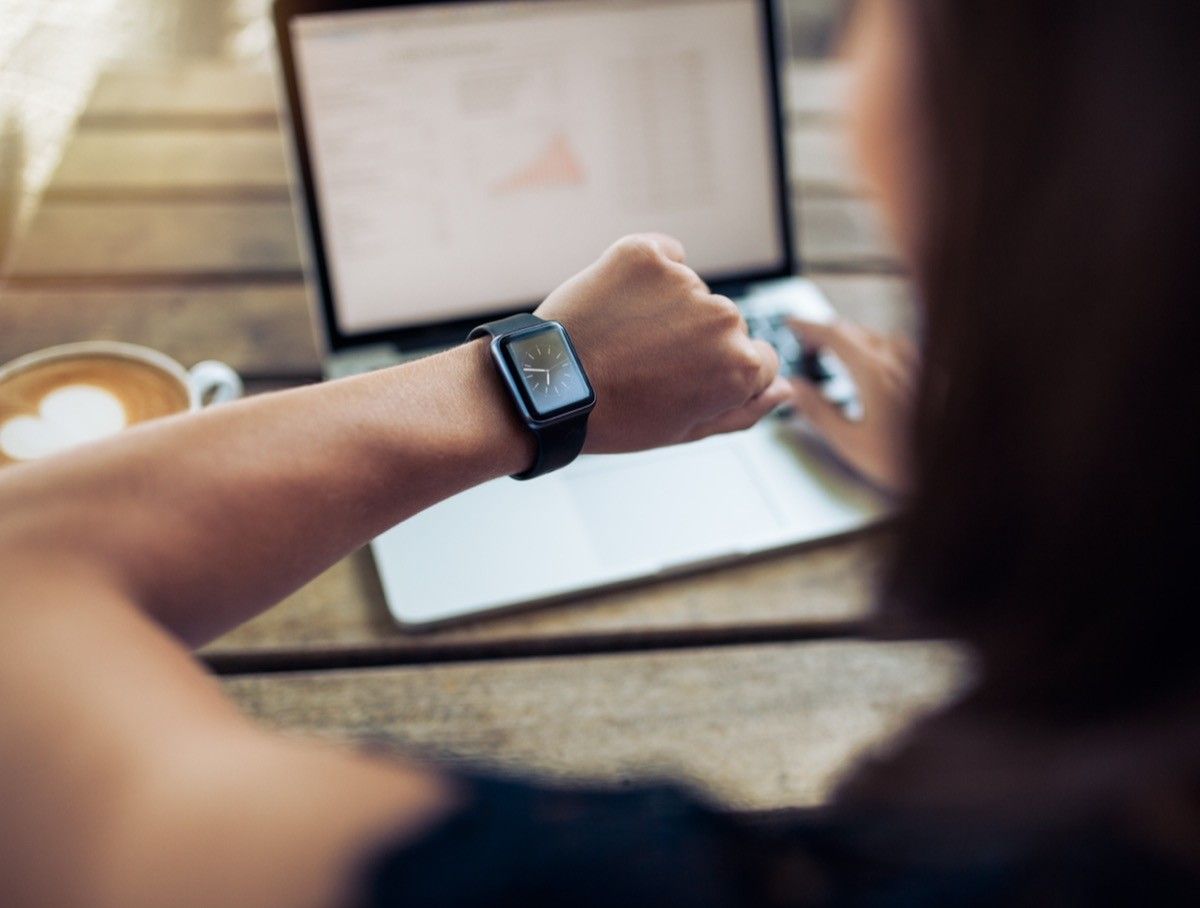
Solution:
(548, 372)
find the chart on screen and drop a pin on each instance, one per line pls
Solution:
(558, 166)
(475, 156)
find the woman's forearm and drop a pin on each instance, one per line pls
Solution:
(205, 520)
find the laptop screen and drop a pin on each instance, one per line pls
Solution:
(466, 158)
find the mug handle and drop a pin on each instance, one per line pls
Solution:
(214, 383)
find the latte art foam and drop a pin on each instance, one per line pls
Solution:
(59, 404)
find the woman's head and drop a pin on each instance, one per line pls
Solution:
(1040, 163)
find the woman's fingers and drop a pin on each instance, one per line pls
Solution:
(826, 417)
(849, 342)
(881, 368)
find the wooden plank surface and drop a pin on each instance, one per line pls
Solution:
(139, 240)
(111, 163)
(181, 95)
(133, 241)
(821, 160)
(341, 617)
(817, 89)
(761, 727)
(260, 331)
(844, 234)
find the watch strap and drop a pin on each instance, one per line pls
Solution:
(558, 443)
(518, 322)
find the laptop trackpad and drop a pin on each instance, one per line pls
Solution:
(673, 507)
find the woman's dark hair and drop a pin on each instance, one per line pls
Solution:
(1057, 441)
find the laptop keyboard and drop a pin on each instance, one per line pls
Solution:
(768, 321)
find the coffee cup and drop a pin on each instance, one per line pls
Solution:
(56, 399)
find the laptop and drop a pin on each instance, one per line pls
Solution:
(455, 161)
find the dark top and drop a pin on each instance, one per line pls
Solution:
(516, 844)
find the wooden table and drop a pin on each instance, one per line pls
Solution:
(168, 223)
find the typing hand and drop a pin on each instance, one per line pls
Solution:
(884, 370)
(670, 361)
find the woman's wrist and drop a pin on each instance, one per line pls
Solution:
(494, 432)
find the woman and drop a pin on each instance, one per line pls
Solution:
(1038, 165)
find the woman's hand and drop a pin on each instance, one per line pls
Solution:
(884, 369)
(670, 361)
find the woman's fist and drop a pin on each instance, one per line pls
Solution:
(670, 361)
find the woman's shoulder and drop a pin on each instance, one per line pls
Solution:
(520, 843)
(514, 843)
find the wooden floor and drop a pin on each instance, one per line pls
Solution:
(168, 223)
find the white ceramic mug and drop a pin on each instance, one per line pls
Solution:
(205, 384)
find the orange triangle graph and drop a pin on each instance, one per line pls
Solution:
(556, 166)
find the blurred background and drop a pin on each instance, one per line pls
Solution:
(51, 52)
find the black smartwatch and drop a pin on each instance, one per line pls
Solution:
(548, 385)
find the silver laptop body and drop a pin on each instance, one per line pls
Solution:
(454, 161)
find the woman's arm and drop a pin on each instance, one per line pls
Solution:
(206, 520)
(126, 777)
